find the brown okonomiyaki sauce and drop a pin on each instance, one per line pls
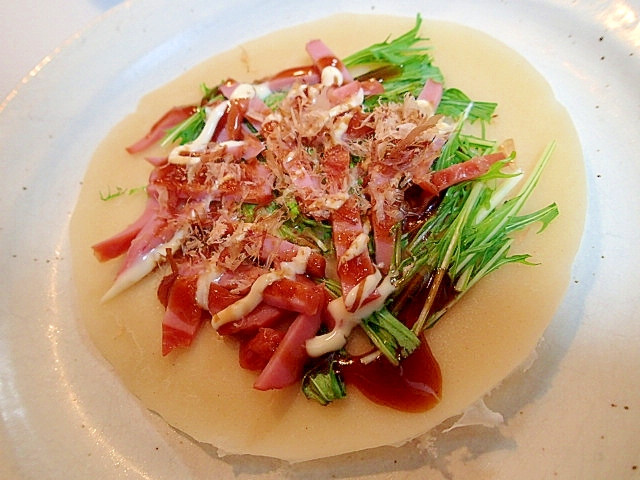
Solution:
(203, 391)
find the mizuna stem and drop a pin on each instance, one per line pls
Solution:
(446, 260)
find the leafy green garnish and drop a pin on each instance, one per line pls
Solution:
(394, 340)
(390, 52)
(454, 103)
(120, 191)
(249, 211)
(274, 99)
(301, 229)
(403, 65)
(323, 383)
(187, 130)
(208, 94)
(467, 240)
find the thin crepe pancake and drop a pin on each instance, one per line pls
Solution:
(203, 391)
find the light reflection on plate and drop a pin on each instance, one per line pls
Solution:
(574, 413)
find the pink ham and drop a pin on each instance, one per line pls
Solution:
(241, 279)
(384, 240)
(157, 161)
(385, 212)
(256, 351)
(277, 250)
(258, 181)
(300, 295)
(255, 110)
(119, 243)
(343, 93)
(228, 87)
(432, 93)
(159, 129)
(285, 79)
(154, 233)
(335, 166)
(183, 316)
(347, 226)
(287, 363)
(263, 316)
(220, 298)
(372, 86)
(459, 172)
(234, 117)
(322, 57)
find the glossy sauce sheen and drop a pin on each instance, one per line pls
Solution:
(203, 391)
(416, 384)
(413, 386)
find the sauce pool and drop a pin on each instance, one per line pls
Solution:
(413, 386)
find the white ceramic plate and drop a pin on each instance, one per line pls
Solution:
(574, 414)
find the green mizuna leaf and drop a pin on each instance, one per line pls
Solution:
(471, 233)
(403, 65)
(323, 382)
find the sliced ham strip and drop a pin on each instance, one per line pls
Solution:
(347, 229)
(157, 161)
(323, 57)
(252, 146)
(235, 115)
(300, 170)
(119, 243)
(284, 80)
(276, 250)
(358, 127)
(228, 87)
(257, 112)
(159, 129)
(263, 316)
(459, 172)
(256, 352)
(183, 316)
(295, 295)
(153, 234)
(372, 86)
(385, 211)
(286, 366)
(432, 93)
(220, 298)
(343, 93)
(258, 182)
(240, 280)
(384, 241)
(335, 166)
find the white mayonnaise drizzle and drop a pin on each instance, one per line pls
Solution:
(425, 107)
(346, 321)
(211, 275)
(354, 101)
(246, 304)
(357, 246)
(243, 90)
(331, 76)
(262, 90)
(362, 290)
(340, 127)
(143, 266)
(181, 154)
